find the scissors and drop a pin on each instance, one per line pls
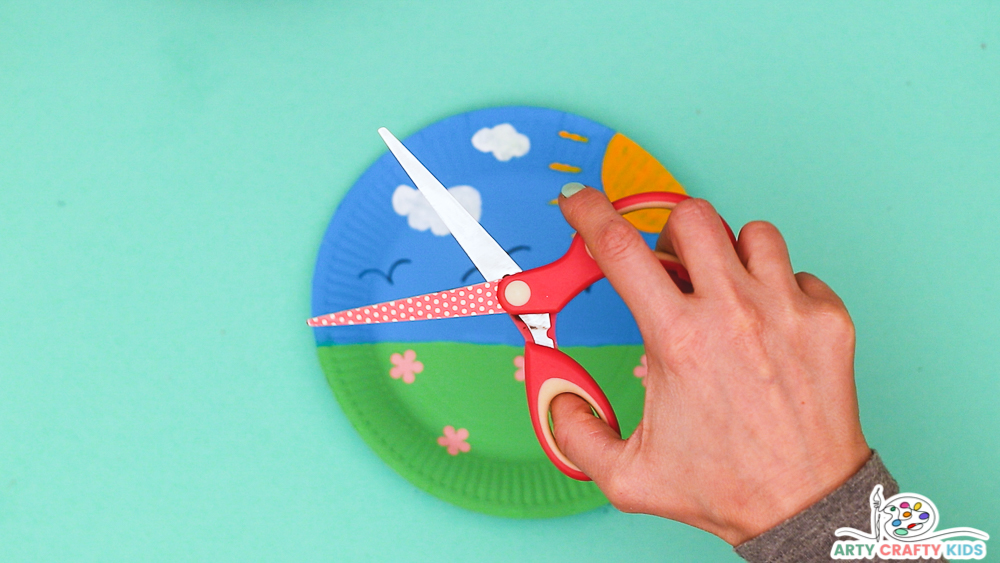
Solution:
(532, 298)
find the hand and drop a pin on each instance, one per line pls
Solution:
(751, 413)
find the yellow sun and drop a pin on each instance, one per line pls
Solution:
(628, 169)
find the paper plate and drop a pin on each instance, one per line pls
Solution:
(443, 402)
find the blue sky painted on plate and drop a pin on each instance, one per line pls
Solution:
(366, 233)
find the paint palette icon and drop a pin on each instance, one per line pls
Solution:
(909, 517)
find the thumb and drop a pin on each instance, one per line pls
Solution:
(585, 439)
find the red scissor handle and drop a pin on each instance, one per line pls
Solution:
(556, 373)
(547, 289)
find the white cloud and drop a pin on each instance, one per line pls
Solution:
(503, 141)
(412, 204)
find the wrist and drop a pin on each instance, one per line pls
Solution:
(792, 495)
(808, 535)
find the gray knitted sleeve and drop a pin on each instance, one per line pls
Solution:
(808, 536)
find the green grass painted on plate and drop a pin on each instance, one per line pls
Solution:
(472, 386)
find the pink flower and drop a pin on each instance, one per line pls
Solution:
(455, 440)
(519, 364)
(406, 366)
(641, 370)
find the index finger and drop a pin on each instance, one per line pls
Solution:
(622, 254)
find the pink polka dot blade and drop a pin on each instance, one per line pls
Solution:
(469, 301)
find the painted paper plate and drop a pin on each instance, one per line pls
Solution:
(443, 401)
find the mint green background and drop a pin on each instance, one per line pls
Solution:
(167, 170)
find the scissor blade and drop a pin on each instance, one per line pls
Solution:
(489, 257)
(469, 301)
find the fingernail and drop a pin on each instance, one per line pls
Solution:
(571, 188)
